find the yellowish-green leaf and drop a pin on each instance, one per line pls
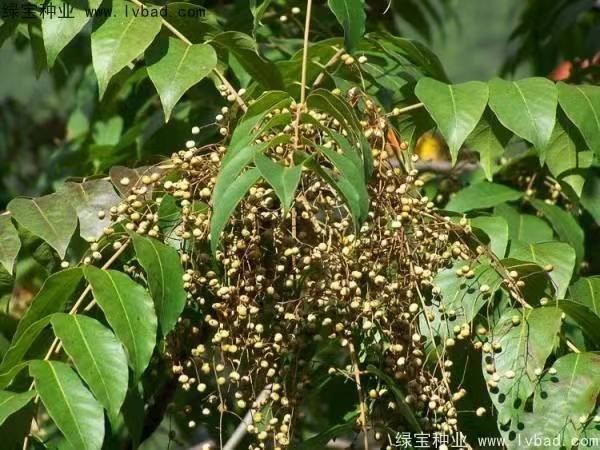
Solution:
(174, 67)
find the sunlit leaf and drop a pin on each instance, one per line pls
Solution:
(456, 108)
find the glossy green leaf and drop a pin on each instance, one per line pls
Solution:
(496, 229)
(461, 295)
(558, 255)
(130, 312)
(98, 357)
(13, 363)
(565, 157)
(11, 402)
(50, 217)
(164, 273)
(56, 291)
(565, 226)
(456, 109)
(174, 67)
(248, 128)
(524, 348)
(489, 138)
(526, 107)
(90, 199)
(351, 16)
(283, 180)
(524, 227)
(229, 200)
(10, 244)
(482, 195)
(586, 291)
(71, 406)
(566, 395)
(60, 28)
(119, 39)
(244, 48)
(582, 105)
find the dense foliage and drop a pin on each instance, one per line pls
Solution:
(303, 270)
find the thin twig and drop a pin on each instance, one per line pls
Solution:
(359, 390)
(300, 107)
(334, 59)
(398, 111)
(216, 71)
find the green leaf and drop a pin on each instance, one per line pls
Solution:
(89, 199)
(496, 229)
(558, 255)
(11, 402)
(129, 311)
(524, 348)
(564, 397)
(258, 12)
(245, 132)
(351, 16)
(526, 107)
(10, 244)
(456, 108)
(56, 291)
(174, 67)
(524, 227)
(244, 48)
(60, 28)
(587, 319)
(333, 105)
(405, 410)
(37, 49)
(13, 363)
(489, 138)
(352, 184)
(234, 161)
(482, 195)
(586, 291)
(581, 104)
(227, 203)
(70, 405)
(562, 157)
(50, 217)
(162, 265)
(461, 295)
(565, 226)
(119, 39)
(283, 180)
(98, 357)
(343, 186)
